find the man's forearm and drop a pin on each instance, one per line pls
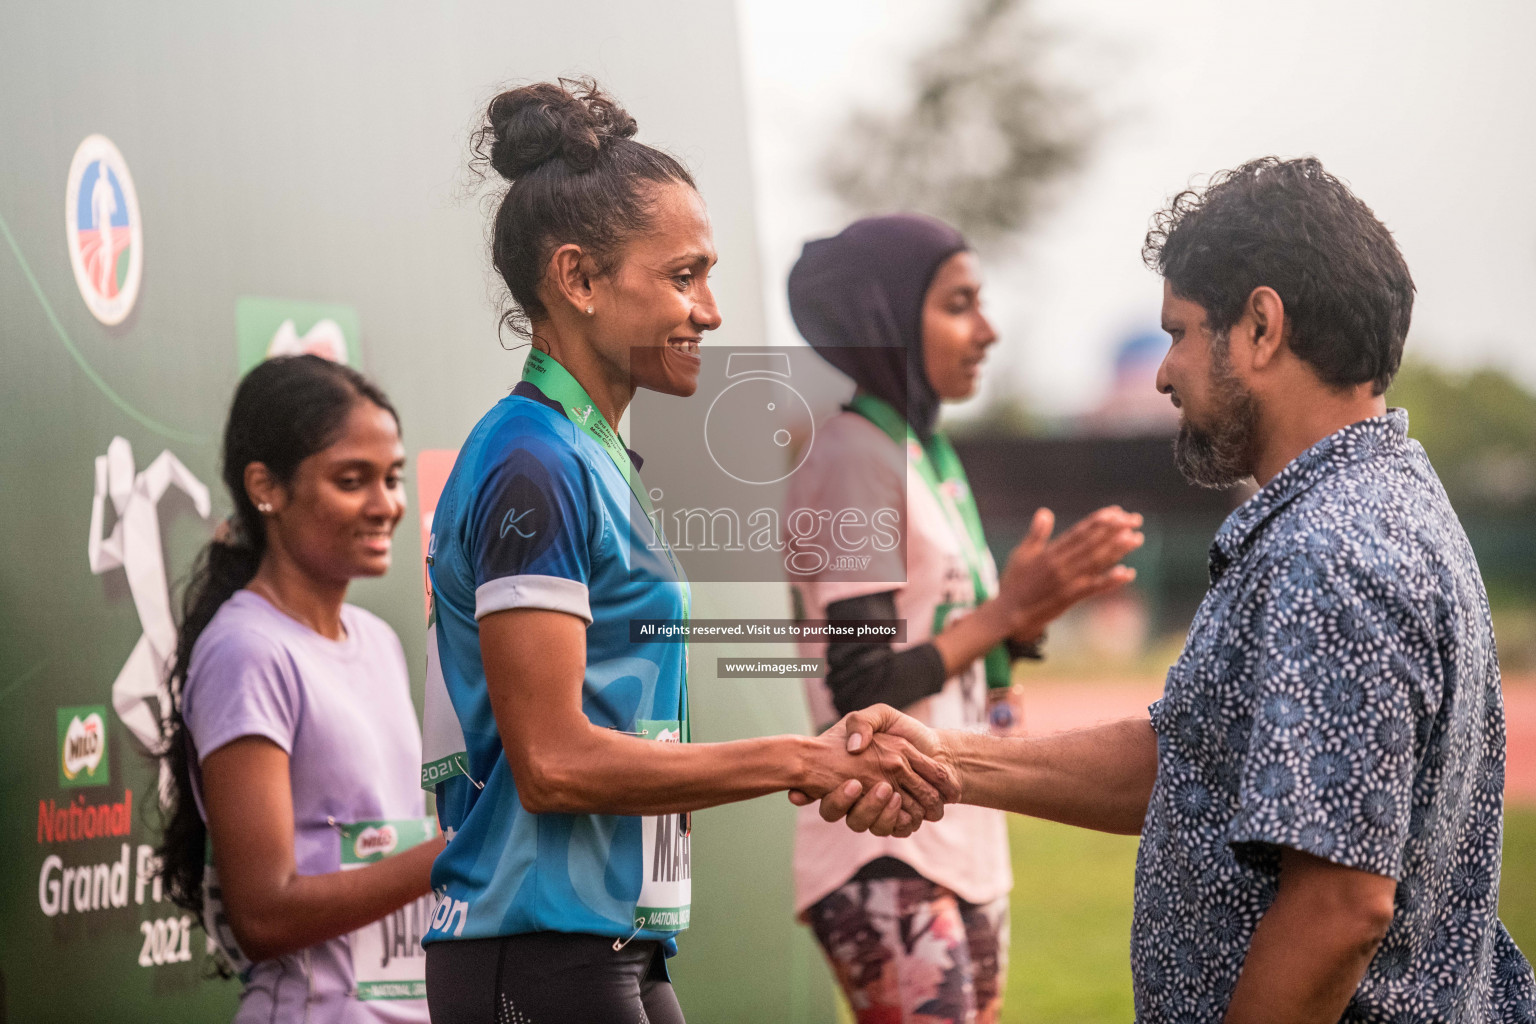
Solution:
(1297, 981)
(1099, 778)
(1313, 944)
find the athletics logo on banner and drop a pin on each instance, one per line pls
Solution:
(104, 230)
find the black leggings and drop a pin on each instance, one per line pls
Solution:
(549, 977)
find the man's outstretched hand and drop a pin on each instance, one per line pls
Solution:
(885, 734)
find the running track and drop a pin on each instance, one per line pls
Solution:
(1052, 705)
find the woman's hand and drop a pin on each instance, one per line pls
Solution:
(273, 910)
(563, 764)
(912, 778)
(1045, 577)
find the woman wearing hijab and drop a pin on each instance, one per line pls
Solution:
(917, 928)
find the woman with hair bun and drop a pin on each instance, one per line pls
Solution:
(559, 749)
(293, 734)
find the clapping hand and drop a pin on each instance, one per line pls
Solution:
(897, 773)
(1043, 577)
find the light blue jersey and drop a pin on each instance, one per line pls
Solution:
(536, 515)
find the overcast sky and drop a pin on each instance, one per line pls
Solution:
(1427, 109)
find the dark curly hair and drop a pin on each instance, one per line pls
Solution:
(1294, 227)
(577, 176)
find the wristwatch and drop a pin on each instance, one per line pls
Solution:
(1020, 650)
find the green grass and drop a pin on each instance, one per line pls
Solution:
(1517, 887)
(1072, 917)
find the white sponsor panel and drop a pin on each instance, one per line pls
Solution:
(666, 885)
(388, 961)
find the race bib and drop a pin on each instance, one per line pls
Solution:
(667, 883)
(442, 738)
(387, 959)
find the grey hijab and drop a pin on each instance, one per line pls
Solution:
(857, 297)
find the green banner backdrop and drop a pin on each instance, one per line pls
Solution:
(285, 177)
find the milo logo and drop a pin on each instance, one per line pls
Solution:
(83, 746)
(375, 841)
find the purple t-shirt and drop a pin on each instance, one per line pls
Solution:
(342, 711)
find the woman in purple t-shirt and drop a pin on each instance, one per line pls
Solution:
(296, 830)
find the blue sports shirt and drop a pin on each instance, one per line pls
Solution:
(535, 514)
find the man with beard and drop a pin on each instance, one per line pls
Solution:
(1319, 792)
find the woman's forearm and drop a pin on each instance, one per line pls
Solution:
(289, 914)
(973, 635)
(1099, 778)
(600, 771)
(865, 672)
(271, 908)
(563, 763)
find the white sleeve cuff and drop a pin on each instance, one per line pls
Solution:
(552, 593)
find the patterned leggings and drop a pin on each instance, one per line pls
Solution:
(909, 951)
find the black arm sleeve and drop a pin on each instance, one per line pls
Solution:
(861, 673)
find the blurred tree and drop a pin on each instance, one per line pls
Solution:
(1479, 430)
(981, 138)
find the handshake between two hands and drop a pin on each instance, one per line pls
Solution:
(884, 771)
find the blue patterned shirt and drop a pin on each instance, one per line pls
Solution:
(1339, 695)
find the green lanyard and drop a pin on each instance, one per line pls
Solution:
(557, 384)
(939, 467)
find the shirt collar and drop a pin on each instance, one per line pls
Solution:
(1355, 443)
(528, 389)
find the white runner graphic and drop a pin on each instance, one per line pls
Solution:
(141, 693)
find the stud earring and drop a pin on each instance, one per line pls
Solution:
(264, 507)
(589, 311)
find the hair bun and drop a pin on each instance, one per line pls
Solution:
(572, 120)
